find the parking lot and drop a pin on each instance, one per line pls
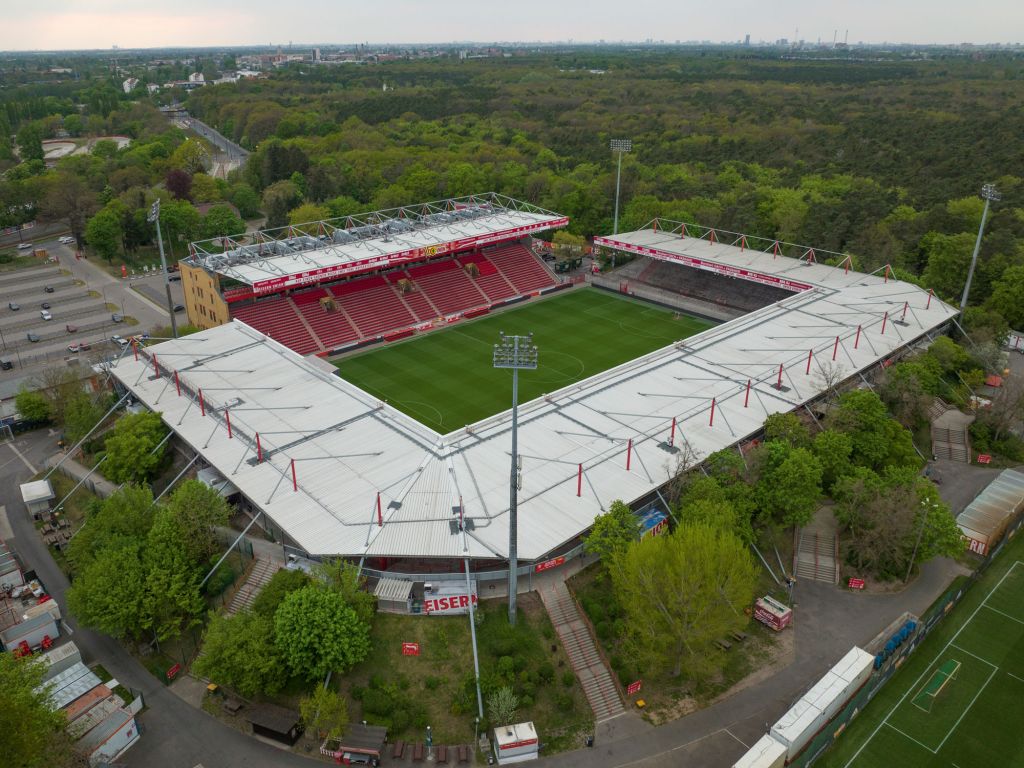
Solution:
(76, 317)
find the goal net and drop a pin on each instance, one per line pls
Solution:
(930, 691)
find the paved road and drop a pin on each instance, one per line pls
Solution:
(175, 735)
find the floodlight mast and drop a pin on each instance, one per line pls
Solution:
(154, 217)
(514, 352)
(989, 194)
(621, 146)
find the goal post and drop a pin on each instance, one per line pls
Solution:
(936, 684)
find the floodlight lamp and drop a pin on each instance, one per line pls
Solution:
(621, 145)
(989, 192)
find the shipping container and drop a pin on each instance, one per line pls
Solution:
(31, 631)
(61, 658)
(797, 727)
(766, 753)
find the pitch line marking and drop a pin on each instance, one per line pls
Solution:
(1001, 613)
(967, 709)
(745, 746)
(1015, 677)
(983, 661)
(934, 658)
(907, 736)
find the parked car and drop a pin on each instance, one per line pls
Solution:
(74, 347)
(45, 314)
(71, 328)
(32, 337)
(45, 305)
(6, 365)
(175, 278)
(48, 289)
(66, 240)
(119, 340)
(117, 318)
(24, 246)
(13, 306)
(179, 307)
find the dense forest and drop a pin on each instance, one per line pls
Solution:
(882, 158)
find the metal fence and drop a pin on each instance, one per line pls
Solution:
(928, 621)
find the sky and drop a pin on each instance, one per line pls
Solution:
(90, 24)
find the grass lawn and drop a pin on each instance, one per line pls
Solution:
(437, 688)
(445, 379)
(925, 716)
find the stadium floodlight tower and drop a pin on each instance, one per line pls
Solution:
(989, 194)
(515, 352)
(621, 146)
(154, 217)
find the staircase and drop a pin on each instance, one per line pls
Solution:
(586, 662)
(950, 437)
(261, 572)
(816, 556)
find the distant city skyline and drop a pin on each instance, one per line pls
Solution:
(102, 24)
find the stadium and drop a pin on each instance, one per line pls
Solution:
(402, 461)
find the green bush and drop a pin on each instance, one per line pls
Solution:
(548, 632)
(281, 584)
(546, 672)
(506, 667)
(568, 678)
(376, 702)
(222, 578)
(399, 720)
(431, 683)
(565, 702)
(525, 702)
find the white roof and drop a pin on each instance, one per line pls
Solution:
(766, 753)
(517, 732)
(348, 446)
(37, 490)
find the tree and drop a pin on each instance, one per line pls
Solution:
(278, 199)
(862, 416)
(308, 213)
(222, 221)
(344, 578)
(69, 199)
(104, 233)
(612, 533)
(130, 447)
(318, 633)
(30, 142)
(325, 712)
(502, 704)
(790, 486)
(32, 405)
(81, 414)
(281, 584)
(109, 592)
(681, 593)
(198, 510)
(125, 515)
(948, 258)
(33, 731)
(173, 600)
(179, 184)
(191, 156)
(245, 200)
(788, 428)
(239, 652)
(833, 451)
(205, 189)
(1008, 296)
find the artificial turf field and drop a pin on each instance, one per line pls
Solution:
(977, 718)
(445, 378)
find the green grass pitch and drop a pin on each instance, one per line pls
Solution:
(445, 378)
(976, 720)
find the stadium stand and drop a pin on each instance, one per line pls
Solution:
(697, 283)
(522, 268)
(488, 279)
(447, 286)
(333, 328)
(278, 318)
(373, 306)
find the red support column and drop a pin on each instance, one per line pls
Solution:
(135, 349)
(672, 434)
(177, 383)
(904, 315)
(655, 225)
(684, 232)
(856, 341)
(380, 517)
(746, 397)
(810, 256)
(846, 266)
(202, 404)
(885, 319)
(629, 453)
(887, 273)
(778, 384)
(775, 250)
(743, 243)
(156, 366)
(835, 349)
(711, 421)
(579, 480)
(930, 294)
(259, 449)
(227, 418)
(810, 356)
(712, 237)
(295, 479)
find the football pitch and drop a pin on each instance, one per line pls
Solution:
(959, 699)
(445, 379)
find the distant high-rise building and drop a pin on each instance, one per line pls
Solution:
(746, 40)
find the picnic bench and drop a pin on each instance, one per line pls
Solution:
(738, 636)
(417, 752)
(725, 645)
(232, 705)
(442, 754)
(398, 749)
(463, 751)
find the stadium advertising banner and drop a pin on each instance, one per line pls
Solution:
(313, 276)
(443, 600)
(709, 266)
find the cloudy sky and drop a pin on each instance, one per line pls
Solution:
(86, 24)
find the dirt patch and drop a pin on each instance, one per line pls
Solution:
(779, 655)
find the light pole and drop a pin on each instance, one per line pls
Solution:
(920, 535)
(154, 217)
(514, 352)
(989, 194)
(621, 146)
